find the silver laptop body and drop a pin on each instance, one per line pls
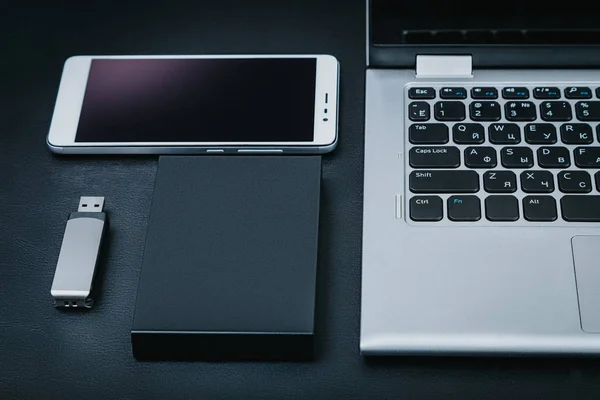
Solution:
(481, 196)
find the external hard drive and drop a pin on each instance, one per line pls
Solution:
(230, 260)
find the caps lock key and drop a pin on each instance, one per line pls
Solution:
(434, 157)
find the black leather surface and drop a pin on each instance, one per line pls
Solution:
(49, 354)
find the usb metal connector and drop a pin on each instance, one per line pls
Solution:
(76, 266)
(91, 204)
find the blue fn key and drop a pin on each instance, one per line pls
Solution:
(464, 208)
(578, 92)
(484, 93)
(515, 93)
(546, 93)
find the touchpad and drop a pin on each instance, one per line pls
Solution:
(586, 257)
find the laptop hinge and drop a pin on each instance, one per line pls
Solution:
(444, 67)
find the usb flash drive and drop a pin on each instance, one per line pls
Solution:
(76, 267)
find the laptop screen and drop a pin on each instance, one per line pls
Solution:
(396, 22)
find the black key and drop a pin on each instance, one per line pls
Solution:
(480, 157)
(500, 182)
(587, 157)
(443, 181)
(539, 208)
(520, 111)
(553, 157)
(421, 93)
(418, 111)
(434, 157)
(502, 208)
(598, 92)
(468, 133)
(579, 208)
(449, 111)
(515, 93)
(588, 110)
(453, 93)
(428, 133)
(502, 133)
(574, 182)
(598, 132)
(576, 134)
(516, 157)
(597, 179)
(537, 181)
(546, 93)
(464, 208)
(540, 133)
(484, 93)
(578, 92)
(426, 208)
(485, 111)
(556, 111)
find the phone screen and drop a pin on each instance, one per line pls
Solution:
(199, 100)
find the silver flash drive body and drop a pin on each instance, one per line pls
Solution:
(76, 267)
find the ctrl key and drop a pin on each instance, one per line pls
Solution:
(426, 208)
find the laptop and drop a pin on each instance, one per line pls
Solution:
(482, 180)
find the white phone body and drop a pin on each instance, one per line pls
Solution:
(72, 90)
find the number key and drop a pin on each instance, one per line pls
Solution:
(485, 111)
(449, 111)
(588, 110)
(556, 111)
(520, 111)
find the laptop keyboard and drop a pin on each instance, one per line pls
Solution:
(503, 154)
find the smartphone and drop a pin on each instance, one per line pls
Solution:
(196, 104)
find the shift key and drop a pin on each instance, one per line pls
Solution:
(431, 181)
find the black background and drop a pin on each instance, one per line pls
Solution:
(49, 354)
